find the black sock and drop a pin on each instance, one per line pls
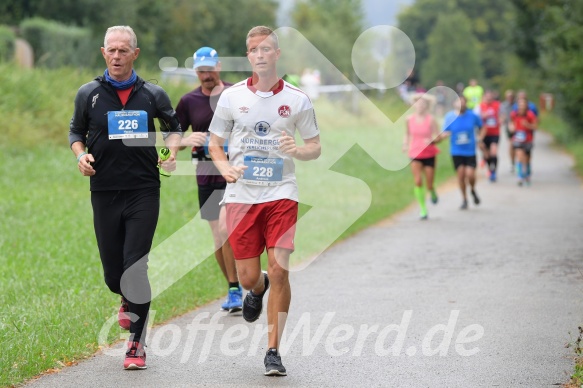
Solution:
(489, 163)
(233, 284)
(494, 163)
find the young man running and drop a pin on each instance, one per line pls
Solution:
(259, 117)
(196, 110)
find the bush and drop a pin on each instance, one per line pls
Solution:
(7, 38)
(55, 44)
(518, 75)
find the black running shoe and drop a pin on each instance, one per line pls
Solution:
(476, 198)
(273, 365)
(253, 304)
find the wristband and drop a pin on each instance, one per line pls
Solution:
(79, 157)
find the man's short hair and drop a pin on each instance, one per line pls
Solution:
(126, 29)
(262, 31)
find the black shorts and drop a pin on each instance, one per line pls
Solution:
(468, 161)
(426, 162)
(488, 140)
(527, 147)
(209, 197)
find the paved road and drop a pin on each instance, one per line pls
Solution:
(484, 297)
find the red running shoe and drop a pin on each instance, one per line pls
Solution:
(123, 317)
(135, 357)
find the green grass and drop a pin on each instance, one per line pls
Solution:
(53, 301)
(565, 136)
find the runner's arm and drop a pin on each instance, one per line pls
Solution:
(79, 128)
(482, 133)
(434, 131)
(229, 172)
(309, 151)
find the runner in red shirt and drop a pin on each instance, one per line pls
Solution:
(523, 125)
(490, 112)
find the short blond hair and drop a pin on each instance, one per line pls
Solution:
(125, 29)
(262, 31)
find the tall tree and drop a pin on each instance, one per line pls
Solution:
(560, 45)
(418, 20)
(221, 25)
(332, 27)
(173, 28)
(526, 28)
(490, 24)
(453, 51)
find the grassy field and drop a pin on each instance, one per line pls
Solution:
(53, 301)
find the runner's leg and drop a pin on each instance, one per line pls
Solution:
(279, 294)
(418, 190)
(227, 250)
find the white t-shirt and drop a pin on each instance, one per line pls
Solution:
(253, 122)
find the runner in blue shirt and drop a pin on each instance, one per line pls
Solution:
(462, 130)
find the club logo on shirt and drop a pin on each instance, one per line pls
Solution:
(284, 111)
(243, 109)
(262, 128)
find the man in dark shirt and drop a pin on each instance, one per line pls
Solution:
(113, 137)
(196, 110)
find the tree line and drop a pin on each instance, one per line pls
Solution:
(517, 44)
(531, 44)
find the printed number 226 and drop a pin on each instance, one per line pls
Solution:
(127, 124)
(263, 171)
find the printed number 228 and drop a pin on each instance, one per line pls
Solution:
(263, 171)
(127, 124)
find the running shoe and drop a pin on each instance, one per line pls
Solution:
(135, 357)
(476, 198)
(253, 304)
(273, 365)
(464, 205)
(493, 176)
(434, 198)
(424, 217)
(234, 300)
(123, 317)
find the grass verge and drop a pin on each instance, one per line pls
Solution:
(565, 138)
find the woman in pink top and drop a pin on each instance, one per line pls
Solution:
(422, 129)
